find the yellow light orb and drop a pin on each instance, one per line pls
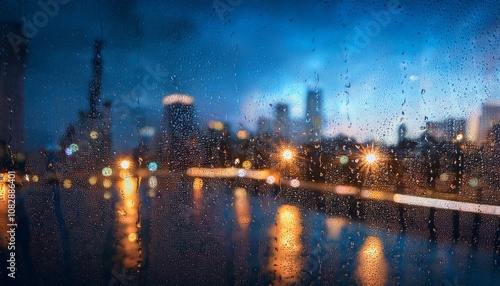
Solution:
(371, 158)
(151, 193)
(460, 137)
(106, 183)
(67, 184)
(132, 237)
(93, 180)
(35, 178)
(246, 164)
(94, 135)
(125, 174)
(242, 134)
(107, 195)
(287, 154)
(197, 184)
(125, 164)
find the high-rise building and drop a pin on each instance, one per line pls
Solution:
(95, 82)
(11, 91)
(313, 115)
(87, 143)
(447, 130)
(177, 131)
(490, 116)
(402, 131)
(264, 126)
(282, 124)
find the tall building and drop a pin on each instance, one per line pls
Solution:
(446, 130)
(282, 124)
(313, 115)
(11, 92)
(264, 126)
(86, 145)
(490, 116)
(402, 131)
(178, 138)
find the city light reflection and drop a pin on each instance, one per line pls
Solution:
(372, 266)
(127, 229)
(242, 208)
(125, 164)
(4, 189)
(285, 260)
(334, 226)
(197, 197)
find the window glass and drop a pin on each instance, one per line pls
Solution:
(239, 142)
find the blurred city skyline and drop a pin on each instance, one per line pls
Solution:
(377, 64)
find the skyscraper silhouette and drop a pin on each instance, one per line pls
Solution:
(313, 115)
(177, 131)
(282, 123)
(87, 143)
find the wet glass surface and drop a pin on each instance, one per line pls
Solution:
(212, 231)
(232, 142)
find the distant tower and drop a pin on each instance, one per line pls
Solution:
(177, 130)
(282, 121)
(490, 116)
(313, 115)
(96, 81)
(264, 126)
(402, 130)
(11, 89)
(86, 145)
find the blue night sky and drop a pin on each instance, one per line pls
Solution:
(378, 63)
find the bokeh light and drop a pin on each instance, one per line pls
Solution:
(246, 164)
(67, 183)
(106, 183)
(94, 135)
(125, 164)
(152, 166)
(106, 171)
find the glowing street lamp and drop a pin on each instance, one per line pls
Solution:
(287, 155)
(371, 158)
(125, 164)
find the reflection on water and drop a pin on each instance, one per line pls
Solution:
(197, 197)
(242, 208)
(127, 225)
(372, 265)
(334, 227)
(211, 232)
(285, 261)
(3, 214)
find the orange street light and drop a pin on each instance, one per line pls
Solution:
(125, 164)
(287, 154)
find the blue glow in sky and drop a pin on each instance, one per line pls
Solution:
(376, 67)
